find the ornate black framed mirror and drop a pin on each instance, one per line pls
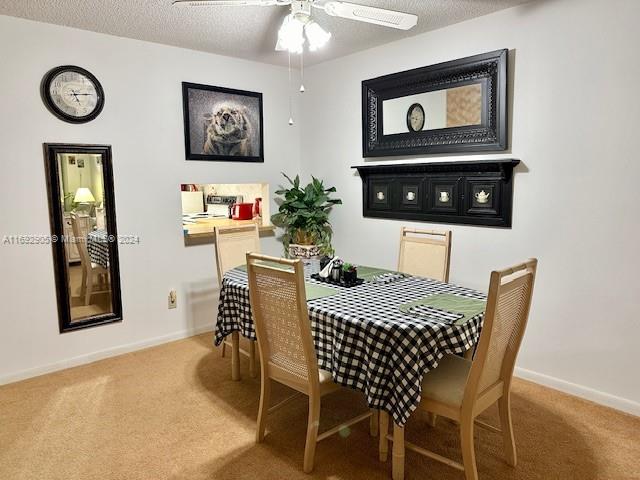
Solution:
(84, 234)
(452, 107)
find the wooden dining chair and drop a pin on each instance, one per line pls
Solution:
(287, 351)
(461, 390)
(232, 245)
(425, 253)
(90, 271)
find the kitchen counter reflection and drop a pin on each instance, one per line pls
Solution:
(201, 231)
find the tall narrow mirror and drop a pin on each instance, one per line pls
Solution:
(84, 234)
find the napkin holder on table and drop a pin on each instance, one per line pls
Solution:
(326, 271)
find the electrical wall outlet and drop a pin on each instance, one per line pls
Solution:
(173, 299)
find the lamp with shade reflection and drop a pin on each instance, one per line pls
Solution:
(84, 198)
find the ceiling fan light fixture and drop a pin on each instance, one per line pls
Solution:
(317, 36)
(290, 35)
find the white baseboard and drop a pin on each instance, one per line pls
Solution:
(109, 352)
(619, 403)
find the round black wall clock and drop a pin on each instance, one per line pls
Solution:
(72, 94)
(415, 118)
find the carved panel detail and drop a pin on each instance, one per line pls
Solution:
(473, 193)
(488, 70)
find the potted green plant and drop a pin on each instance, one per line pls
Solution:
(303, 214)
(349, 273)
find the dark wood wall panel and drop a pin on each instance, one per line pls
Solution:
(472, 193)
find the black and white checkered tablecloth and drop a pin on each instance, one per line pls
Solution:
(98, 247)
(363, 338)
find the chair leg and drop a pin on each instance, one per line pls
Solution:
(88, 288)
(253, 371)
(83, 285)
(263, 411)
(431, 419)
(504, 407)
(468, 452)
(235, 356)
(224, 349)
(313, 423)
(373, 423)
(397, 467)
(383, 443)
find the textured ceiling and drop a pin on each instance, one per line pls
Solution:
(245, 32)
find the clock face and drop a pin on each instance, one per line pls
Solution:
(73, 94)
(415, 118)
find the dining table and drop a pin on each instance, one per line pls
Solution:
(98, 247)
(379, 337)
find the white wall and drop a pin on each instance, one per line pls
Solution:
(142, 120)
(575, 69)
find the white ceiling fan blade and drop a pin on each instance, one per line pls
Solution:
(378, 16)
(230, 3)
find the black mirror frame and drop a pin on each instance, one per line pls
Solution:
(488, 68)
(51, 151)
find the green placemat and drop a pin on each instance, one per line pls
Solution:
(369, 273)
(315, 292)
(468, 307)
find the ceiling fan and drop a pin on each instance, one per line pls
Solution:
(299, 22)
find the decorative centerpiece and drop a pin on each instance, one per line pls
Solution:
(338, 272)
(303, 214)
(349, 273)
(324, 261)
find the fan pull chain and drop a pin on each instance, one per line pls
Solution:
(302, 71)
(290, 99)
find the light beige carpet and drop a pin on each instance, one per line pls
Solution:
(172, 412)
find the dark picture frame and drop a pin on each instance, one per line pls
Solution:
(206, 141)
(56, 220)
(487, 69)
(439, 185)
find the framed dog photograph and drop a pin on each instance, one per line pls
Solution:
(222, 124)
